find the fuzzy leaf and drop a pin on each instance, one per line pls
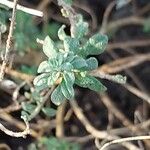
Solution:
(92, 63)
(69, 57)
(28, 107)
(53, 78)
(57, 96)
(40, 81)
(24, 114)
(3, 28)
(61, 33)
(79, 63)
(68, 2)
(50, 112)
(44, 67)
(119, 79)
(53, 63)
(69, 78)
(91, 83)
(60, 58)
(67, 89)
(49, 48)
(71, 44)
(95, 45)
(80, 28)
(66, 66)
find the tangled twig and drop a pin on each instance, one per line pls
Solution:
(22, 8)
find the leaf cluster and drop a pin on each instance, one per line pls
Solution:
(52, 143)
(35, 100)
(70, 64)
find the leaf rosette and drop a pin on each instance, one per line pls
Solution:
(71, 64)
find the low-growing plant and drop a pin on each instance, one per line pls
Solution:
(69, 63)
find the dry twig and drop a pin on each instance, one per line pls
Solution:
(8, 42)
(126, 44)
(119, 141)
(20, 125)
(92, 130)
(126, 122)
(16, 134)
(121, 64)
(22, 8)
(60, 120)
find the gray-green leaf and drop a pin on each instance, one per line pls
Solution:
(79, 63)
(80, 28)
(49, 48)
(28, 107)
(119, 78)
(90, 82)
(67, 89)
(95, 45)
(66, 66)
(40, 81)
(44, 67)
(71, 44)
(61, 33)
(69, 78)
(53, 78)
(57, 96)
(50, 112)
(92, 63)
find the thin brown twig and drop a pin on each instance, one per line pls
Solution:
(19, 75)
(20, 125)
(4, 146)
(119, 141)
(106, 15)
(137, 92)
(125, 130)
(60, 120)
(8, 42)
(133, 20)
(16, 134)
(137, 82)
(92, 130)
(105, 24)
(126, 44)
(111, 107)
(89, 11)
(126, 122)
(144, 10)
(124, 63)
(11, 108)
(129, 87)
